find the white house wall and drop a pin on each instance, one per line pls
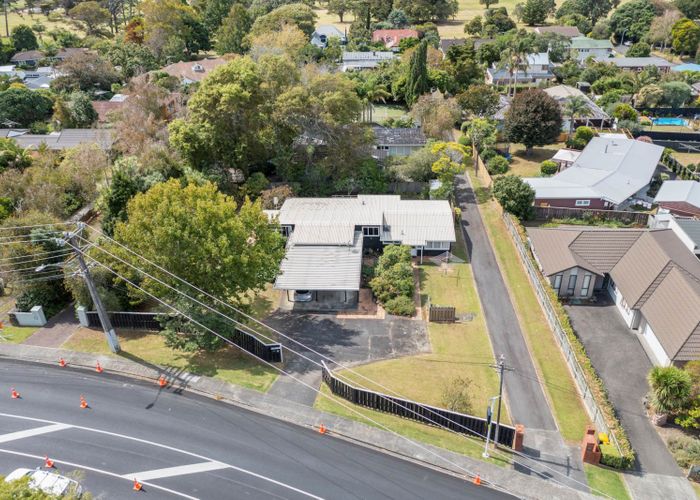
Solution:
(651, 345)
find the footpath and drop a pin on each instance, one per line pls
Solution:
(524, 486)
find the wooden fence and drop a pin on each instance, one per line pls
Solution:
(458, 422)
(549, 213)
(442, 314)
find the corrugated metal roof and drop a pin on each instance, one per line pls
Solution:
(673, 312)
(398, 136)
(66, 138)
(687, 191)
(639, 62)
(416, 228)
(691, 227)
(583, 42)
(323, 234)
(318, 267)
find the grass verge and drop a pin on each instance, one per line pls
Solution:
(18, 334)
(607, 481)
(228, 364)
(559, 385)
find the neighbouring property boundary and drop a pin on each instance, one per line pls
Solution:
(549, 213)
(454, 421)
(587, 380)
(151, 321)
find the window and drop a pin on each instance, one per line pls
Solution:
(572, 285)
(285, 230)
(557, 282)
(583, 203)
(372, 232)
(436, 245)
(586, 285)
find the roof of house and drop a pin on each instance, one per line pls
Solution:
(104, 108)
(679, 191)
(193, 71)
(567, 31)
(639, 62)
(609, 169)
(686, 67)
(583, 42)
(538, 59)
(69, 51)
(322, 267)
(653, 270)
(446, 43)
(567, 155)
(392, 38)
(329, 30)
(564, 93)
(27, 55)
(399, 136)
(691, 227)
(365, 60)
(66, 138)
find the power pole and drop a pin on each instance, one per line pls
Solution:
(112, 339)
(501, 367)
(7, 26)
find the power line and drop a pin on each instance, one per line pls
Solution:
(468, 437)
(8, 228)
(63, 250)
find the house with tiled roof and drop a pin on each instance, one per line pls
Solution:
(651, 276)
(565, 31)
(391, 38)
(679, 198)
(397, 141)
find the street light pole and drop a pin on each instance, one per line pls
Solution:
(489, 414)
(112, 339)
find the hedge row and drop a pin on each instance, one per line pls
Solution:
(610, 457)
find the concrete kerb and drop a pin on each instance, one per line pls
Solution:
(361, 434)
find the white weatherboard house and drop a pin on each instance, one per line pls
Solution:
(326, 238)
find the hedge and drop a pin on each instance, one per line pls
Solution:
(610, 456)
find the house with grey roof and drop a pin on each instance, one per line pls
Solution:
(536, 69)
(326, 239)
(565, 31)
(397, 141)
(679, 198)
(687, 230)
(323, 33)
(606, 175)
(59, 140)
(354, 61)
(652, 277)
(583, 47)
(640, 63)
(595, 117)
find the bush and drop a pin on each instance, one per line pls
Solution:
(670, 389)
(685, 450)
(497, 165)
(393, 275)
(487, 153)
(52, 296)
(548, 167)
(514, 195)
(401, 306)
(611, 458)
(455, 395)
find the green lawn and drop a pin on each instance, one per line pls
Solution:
(606, 481)
(382, 112)
(17, 334)
(227, 364)
(687, 158)
(529, 166)
(461, 349)
(17, 15)
(559, 385)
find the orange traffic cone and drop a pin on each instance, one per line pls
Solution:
(98, 368)
(15, 394)
(83, 403)
(477, 480)
(322, 429)
(162, 382)
(48, 463)
(137, 486)
(61, 362)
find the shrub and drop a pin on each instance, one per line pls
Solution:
(487, 153)
(548, 167)
(670, 389)
(685, 450)
(514, 195)
(401, 306)
(455, 395)
(497, 165)
(393, 275)
(611, 458)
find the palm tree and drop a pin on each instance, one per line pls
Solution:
(576, 107)
(671, 389)
(371, 91)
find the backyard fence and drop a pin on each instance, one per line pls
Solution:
(151, 322)
(672, 112)
(549, 213)
(551, 315)
(454, 421)
(442, 314)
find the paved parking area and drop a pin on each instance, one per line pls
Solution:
(623, 365)
(345, 340)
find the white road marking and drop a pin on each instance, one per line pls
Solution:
(180, 470)
(171, 448)
(37, 431)
(99, 471)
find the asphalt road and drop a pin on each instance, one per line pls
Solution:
(179, 445)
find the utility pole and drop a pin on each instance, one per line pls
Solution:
(112, 339)
(7, 26)
(501, 367)
(489, 420)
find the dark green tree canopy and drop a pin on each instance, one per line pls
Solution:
(514, 195)
(417, 82)
(24, 106)
(23, 38)
(633, 18)
(534, 119)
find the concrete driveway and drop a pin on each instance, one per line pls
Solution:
(623, 365)
(347, 341)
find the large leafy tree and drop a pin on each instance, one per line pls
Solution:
(514, 195)
(24, 106)
(590, 9)
(339, 7)
(689, 8)
(206, 238)
(298, 14)
(173, 29)
(481, 132)
(633, 18)
(91, 14)
(685, 36)
(23, 38)
(215, 11)
(535, 11)
(231, 35)
(534, 119)
(85, 71)
(479, 100)
(428, 10)
(417, 82)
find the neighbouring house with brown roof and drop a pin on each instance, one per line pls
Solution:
(565, 31)
(391, 38)
(651, 276)
(680, 198)
(189, 72)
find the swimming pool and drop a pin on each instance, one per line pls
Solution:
(680, 122)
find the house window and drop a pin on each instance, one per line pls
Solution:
(285, 230)
(583, 203)
(372, 232)
(572, 285)
(557, 282)
(436, 245)
(586, 285)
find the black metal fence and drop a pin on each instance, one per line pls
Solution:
(549, 213)
(458, 422)
(151, 321)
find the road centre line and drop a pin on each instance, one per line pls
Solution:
(171, 448)
(179, 470)
(99, 471)
(36, 431)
